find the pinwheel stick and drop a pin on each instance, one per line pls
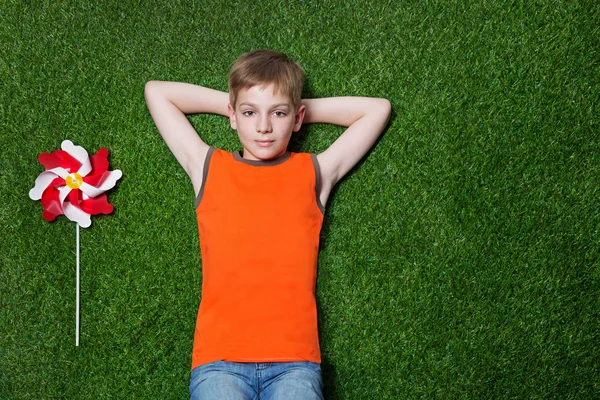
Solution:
(77, 290)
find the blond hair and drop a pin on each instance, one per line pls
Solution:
(265, 67)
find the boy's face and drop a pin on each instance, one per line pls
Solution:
(264, 122)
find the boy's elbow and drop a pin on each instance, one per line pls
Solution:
(155, 90)
(385, 107)
(149, 88)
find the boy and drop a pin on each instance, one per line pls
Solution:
(259, 214)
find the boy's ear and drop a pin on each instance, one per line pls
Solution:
(232, 120)
(299, 117)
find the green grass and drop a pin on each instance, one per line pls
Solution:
(459, 260)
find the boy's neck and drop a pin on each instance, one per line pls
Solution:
(246, 155)
(239, 156)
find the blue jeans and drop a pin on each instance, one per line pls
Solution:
(221, 380)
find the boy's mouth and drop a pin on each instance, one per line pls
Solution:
(264, 143)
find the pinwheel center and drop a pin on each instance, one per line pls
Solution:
(74, 180)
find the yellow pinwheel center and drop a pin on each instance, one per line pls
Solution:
(74, 180)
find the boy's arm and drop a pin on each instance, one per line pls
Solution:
(168, 103)
(365, 118)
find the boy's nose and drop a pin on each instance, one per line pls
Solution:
(264, 125)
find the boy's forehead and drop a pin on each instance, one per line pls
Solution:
(260, 94)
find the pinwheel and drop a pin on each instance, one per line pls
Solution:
(73, 184)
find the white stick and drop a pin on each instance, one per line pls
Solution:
(77, 295)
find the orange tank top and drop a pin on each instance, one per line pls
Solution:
(259, 224)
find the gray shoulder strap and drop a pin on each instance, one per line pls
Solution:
(211, 150)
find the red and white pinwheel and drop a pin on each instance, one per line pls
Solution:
(74, 184)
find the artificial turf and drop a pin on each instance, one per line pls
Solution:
(460, 259)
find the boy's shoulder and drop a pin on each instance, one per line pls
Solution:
(291, 171)
(237, 158)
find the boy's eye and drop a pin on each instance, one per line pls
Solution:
(248, 113)
(279, 114)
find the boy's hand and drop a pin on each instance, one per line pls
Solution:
(365, 118)
(168, 102)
